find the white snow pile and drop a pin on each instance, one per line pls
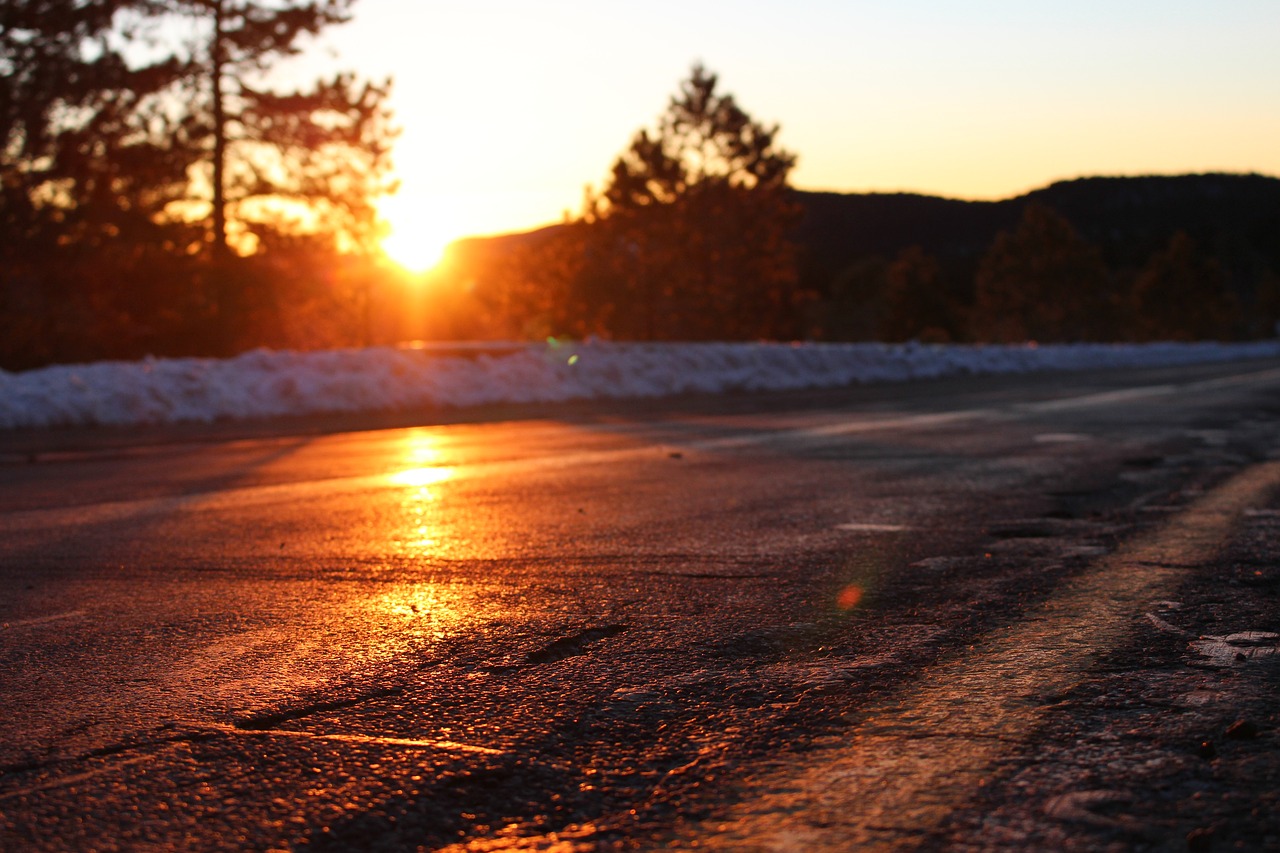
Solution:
(266, 384)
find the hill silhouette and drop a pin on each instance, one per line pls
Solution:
(1127, 217)
(1232, 220)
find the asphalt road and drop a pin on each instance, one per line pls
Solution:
(983, 614)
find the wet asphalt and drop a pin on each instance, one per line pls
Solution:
(998, 613)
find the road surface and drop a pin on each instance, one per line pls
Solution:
(979, 614)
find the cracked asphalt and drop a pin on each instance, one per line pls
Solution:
(997, 613)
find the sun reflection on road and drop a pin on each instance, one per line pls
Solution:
(428, 607)
(421, 459)
(420, 479)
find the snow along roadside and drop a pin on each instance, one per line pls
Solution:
(266, 384)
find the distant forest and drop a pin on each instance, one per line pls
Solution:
(1188, 257)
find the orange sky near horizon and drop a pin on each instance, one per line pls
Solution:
(509, 109)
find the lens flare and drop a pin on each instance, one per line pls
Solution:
(849, 597)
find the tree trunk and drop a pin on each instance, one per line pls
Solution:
(223, 290)
(217, 51)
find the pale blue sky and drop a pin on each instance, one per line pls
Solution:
(509, 108)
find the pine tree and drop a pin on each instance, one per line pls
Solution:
(308, 159)
(85, 166)
(694, 226)
(143, 133)
(69, 103)
(1042, 281)
(916, 304)
(1182, 295)
(326, 144)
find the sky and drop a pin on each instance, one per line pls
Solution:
(510, 108)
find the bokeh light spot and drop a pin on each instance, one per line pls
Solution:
(849, 597)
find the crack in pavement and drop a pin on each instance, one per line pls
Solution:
(192, 731)
(75, 779)
(265, 722)
(864, 790)
(571, 646)
(260, 724)
(45, 620)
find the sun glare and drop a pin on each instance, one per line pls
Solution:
(415, 250)
(421, 460)
(420, 232)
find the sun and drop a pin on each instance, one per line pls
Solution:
(423, 224)
(413, 251)
(419, 233)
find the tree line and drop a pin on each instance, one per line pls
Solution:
(1042, 280)
(158, 195)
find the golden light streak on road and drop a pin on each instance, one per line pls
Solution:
(917, 756)
(376, 740)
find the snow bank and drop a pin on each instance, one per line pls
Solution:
(266, 384)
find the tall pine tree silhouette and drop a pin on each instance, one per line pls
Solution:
(308, 157)
(1042, 281)
(694, 223)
